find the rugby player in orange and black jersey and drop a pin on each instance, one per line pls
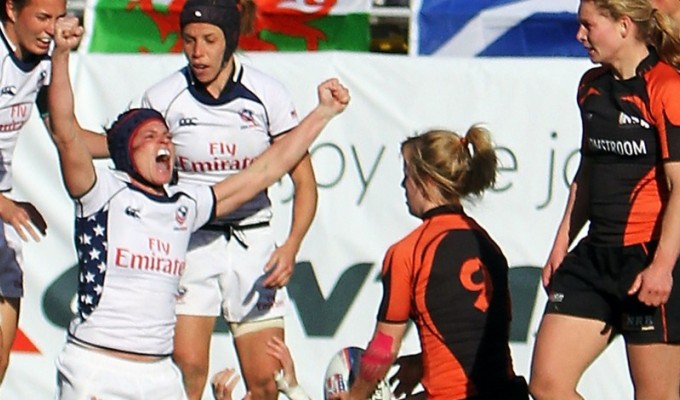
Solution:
(626, 137)
(451, 279)
(630, 129)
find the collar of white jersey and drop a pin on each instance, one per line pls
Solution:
(12, 46)
(237, 69)
(235, 73)
(227, 93)
(125, 178)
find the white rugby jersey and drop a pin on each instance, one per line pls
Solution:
(131, 250)
(215, 138)
(20, 82)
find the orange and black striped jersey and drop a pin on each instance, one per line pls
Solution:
(630, 128)
(450, 277)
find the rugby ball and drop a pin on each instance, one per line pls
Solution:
(342, 371)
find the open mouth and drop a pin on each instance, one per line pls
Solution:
(163, 155)
(163, 158)
(45, 41)
(199, 67)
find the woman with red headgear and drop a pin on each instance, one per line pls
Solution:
(132, 233)
(222, 115)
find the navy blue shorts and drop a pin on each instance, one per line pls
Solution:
(593, 281)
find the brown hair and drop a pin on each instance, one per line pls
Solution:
(18, 5)
(248, 10)
(458, 166)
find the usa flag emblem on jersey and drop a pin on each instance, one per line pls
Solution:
(498, 28)
(91, 245)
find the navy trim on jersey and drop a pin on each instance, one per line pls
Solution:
(232, 90)
(164, 198)
(213, 213)
(82, 343)
(94, 183)
(41, 102)
(28, 65)
(278, 135)
(175, 197)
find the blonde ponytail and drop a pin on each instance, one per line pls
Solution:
(458, 166)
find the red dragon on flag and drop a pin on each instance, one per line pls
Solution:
(167, 22)
(289, 18)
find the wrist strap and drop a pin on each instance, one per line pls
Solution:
(292, 392)
(296, 393)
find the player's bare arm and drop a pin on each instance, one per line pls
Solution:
(281, 264)
(74, 157)
(283, 154)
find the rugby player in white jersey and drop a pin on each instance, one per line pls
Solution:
(222, 115)
(132, 233)
(25, 70)
(26, 30)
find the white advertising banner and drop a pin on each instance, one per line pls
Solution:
(528, 104)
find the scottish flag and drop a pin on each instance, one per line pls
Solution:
(499, 28)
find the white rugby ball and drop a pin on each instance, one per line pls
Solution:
(344, 368)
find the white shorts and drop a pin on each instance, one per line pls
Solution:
(84, 374)
(223, 276)
(11, 262)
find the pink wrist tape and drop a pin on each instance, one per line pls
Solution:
(377, 358)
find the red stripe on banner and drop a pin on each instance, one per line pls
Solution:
(23, 344)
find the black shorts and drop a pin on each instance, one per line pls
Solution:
(593, 281)
(515, 389)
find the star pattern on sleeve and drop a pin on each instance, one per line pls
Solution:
(91, 248)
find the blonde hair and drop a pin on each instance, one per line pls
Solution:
(458, 166)
(655, 28)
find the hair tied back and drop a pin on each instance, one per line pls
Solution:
(467, 145)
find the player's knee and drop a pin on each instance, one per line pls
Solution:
(263, 387)
(654, 392)
(551, 393)
(191, 365)
(544, 388)
(194, 376)
(4, 363)
(535, 390)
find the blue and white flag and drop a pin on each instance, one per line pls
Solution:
(499, 28)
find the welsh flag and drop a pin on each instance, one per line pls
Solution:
(152, 26)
